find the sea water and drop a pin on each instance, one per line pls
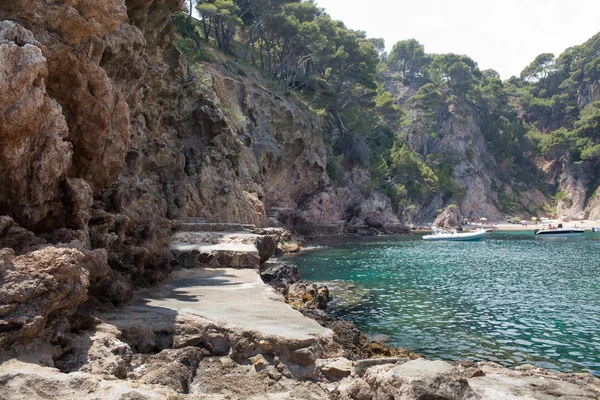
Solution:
(511, 298)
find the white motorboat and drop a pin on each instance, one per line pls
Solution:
(454, 236)
(559, 232)
(596, 229)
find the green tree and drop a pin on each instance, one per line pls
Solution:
(540, 68)
(408, 57)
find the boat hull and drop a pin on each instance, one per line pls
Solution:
(559, 233)
(455, 237)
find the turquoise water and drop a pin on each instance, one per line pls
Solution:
(510, 298)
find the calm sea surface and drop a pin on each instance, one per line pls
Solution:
(510, 298)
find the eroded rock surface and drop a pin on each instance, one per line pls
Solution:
(34, 152)
(227, 311)
(39, 286)
(222, 249)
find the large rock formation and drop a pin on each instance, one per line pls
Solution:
(38, 288)
(35, 154)
(107, 136)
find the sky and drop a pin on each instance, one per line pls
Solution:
(505, 35)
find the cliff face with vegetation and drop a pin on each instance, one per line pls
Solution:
(109, 133)
(115, 124)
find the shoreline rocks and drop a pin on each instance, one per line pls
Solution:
(224, 333)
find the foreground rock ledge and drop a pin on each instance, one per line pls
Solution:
(224, 334)
(228, 311)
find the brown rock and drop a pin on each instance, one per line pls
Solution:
(259, 362)
(304, 357)
(280, 275)
(337, 369)
(266, 245)
(6, 223)
(6, 257)
(174, 368)
(42, 284)
(303, 294)
(34, 152)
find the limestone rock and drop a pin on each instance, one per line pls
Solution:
(532, 383)
(574, 182)
(259, 362)
(593, 208)
(34, 152)
(24, 381)
(43, 284)
(354, 389)
(448, 219)
(336, 369)
(174, 368)
(419, 379)
(361, 366)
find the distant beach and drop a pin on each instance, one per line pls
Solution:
(587, 225)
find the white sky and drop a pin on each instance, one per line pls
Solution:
(505, 35)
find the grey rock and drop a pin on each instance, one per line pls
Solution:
(304, 357)
(361, 366)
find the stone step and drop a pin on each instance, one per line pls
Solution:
(273, 222)
(213, 227)
(335, 228)
(240, 249)
(237, 255)
(273, 216)
(198, 220)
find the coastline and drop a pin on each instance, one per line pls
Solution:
(504, 226)
(242, 333)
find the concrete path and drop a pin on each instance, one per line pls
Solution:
(235, 299)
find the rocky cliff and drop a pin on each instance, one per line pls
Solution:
(451, 131)
(108, 136)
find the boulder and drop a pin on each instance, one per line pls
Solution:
(42, 285)
(419, 379)
(304, 294)
(266, 246)
(336, 369)
(304, 357)
(280, 276)
(354, 389)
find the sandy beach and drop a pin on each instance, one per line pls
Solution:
(587, 225)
